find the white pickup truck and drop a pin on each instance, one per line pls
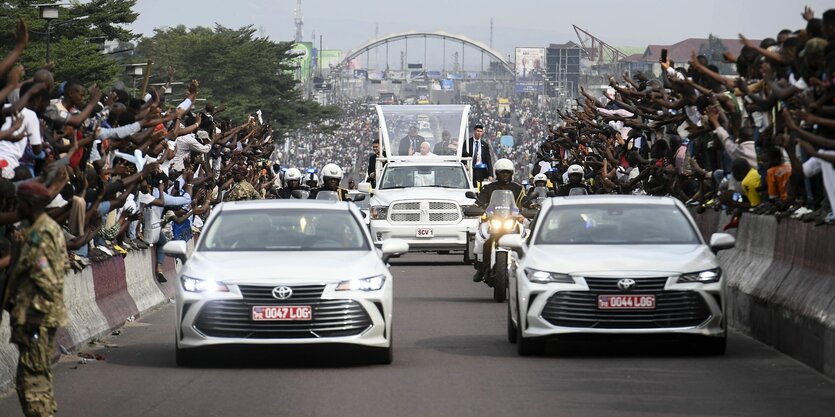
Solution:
(420, 198)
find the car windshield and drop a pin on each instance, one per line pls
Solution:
(615, 224)
(284, 230)
(424, 176)
(408, 127)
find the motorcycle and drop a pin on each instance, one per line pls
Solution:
(500, 217)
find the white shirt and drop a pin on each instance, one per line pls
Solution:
(11, 152)
(184, 145)
(815, 166)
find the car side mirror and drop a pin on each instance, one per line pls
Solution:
(721, 241)
(364, 187)
(470, 194)
(176, 249)
(358, 197)
(393, 247)
(513, 242)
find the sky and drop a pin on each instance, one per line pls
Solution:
(345, 24)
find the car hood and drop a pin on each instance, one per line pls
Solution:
(620, 260)
(386, 197)
(308, 266)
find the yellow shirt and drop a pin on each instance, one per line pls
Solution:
(750, 187)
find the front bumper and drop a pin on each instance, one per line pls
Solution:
(446, 236)
(556, 309)
(343, 317)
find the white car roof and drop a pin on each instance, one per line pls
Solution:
(428, 161)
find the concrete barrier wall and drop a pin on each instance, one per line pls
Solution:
(781, 284)
(100, 298)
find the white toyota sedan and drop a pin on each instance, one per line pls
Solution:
(615, 265)
(274, 272)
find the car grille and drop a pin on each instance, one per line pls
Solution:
(425, 212)
(606, 285)
(672, 309)
(233, 318)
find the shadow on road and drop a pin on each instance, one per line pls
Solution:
(570, 347)
(476, 300)
(243, 356)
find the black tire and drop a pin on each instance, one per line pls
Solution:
(467, 259)
(713, 346)
(186, 358)
(527, 346)
(500, 278)
(511, 329)
(383, 356)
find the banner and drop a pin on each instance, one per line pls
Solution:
(303, 60)
(396, 75)
(376, 74)
(447, 85)
(528, 60)
(329, 58)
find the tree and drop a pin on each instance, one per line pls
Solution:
(235, 67)
(75, 57)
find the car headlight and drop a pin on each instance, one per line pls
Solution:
(362, 284)
(378, 212)
(202, 285)
(710, 275)
(544, 277)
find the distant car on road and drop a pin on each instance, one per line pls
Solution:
(284, 272)
(615, 265)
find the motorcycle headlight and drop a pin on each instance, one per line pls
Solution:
(362, 284)
(495, 224)
(509, 224)
(545, 277)
(710, 275)
(202, 285)
(378, 212)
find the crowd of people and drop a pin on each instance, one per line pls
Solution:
(759, 141)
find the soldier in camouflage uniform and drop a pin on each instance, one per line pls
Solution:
(34, 297)
(241, 189)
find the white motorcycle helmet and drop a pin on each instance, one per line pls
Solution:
(331, 171)
(540, 177)
(504, 164)
(575, 169)
(292, 174)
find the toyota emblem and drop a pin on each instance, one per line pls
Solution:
(282, 293)
(626, 284)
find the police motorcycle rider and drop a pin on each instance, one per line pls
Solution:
(331, 177)
(504, 181)
(292, 182)
(574, 174)
(539, 191)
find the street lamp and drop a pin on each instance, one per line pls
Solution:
(134, 71)
(48, 12)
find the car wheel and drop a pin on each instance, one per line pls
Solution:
(186, 358)
(713, 346)
(382, 356)
(500, 278)
(511, 329)
(528, 346)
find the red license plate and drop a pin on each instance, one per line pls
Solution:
(626, 302)
(282, 313)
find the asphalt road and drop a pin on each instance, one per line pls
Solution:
(451, 359)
